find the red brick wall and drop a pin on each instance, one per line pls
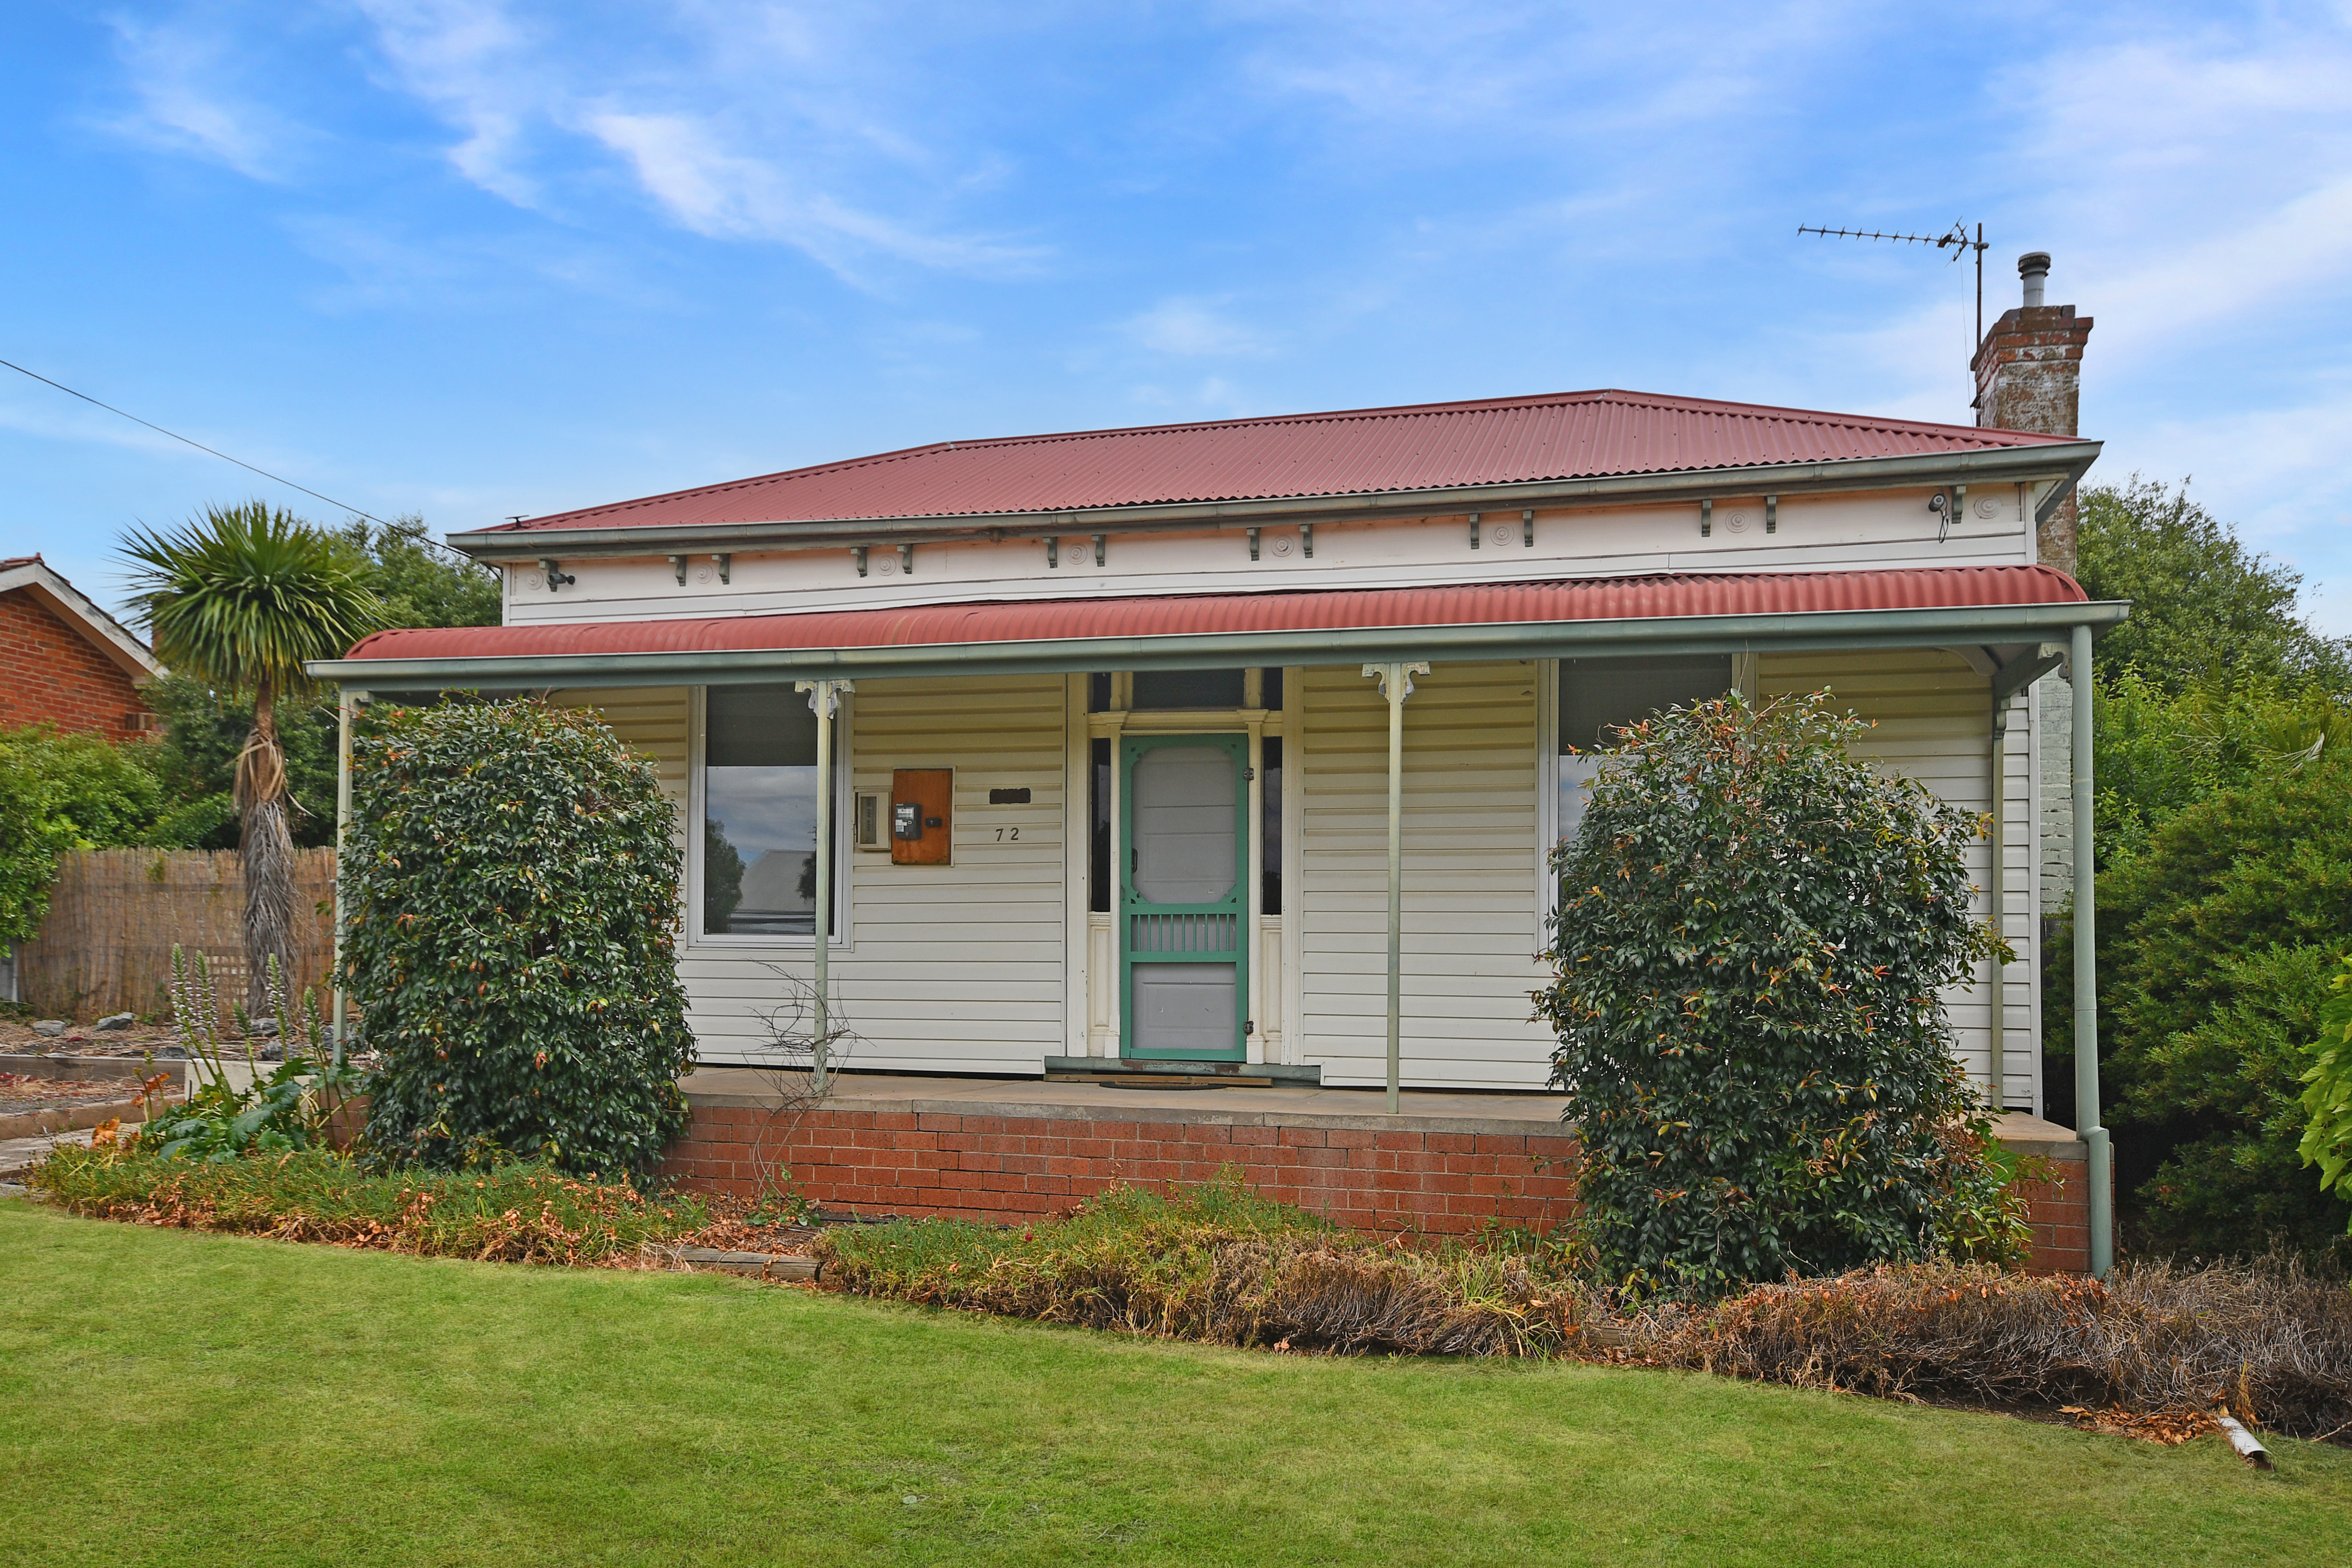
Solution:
(2060, 1213)
(1004, 1168)
(49, 674)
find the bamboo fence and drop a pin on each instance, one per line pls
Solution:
(107, 944)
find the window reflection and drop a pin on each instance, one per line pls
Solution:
(759, 816)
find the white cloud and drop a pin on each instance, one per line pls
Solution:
(471, 63)
(1194, 329)
(188, 102)
(681, 162)
(721, 150)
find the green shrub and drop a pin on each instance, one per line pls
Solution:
(204, 732)
(1752, 931)
(60, 793)
(515, 1213)
(292, 1108)
(2215, 946)
(511, 884)
(2326, 1140)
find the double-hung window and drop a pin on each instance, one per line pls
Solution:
(757, 853)
(1600, 696)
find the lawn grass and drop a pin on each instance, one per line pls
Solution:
(167, 1396)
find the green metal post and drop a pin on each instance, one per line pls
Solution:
(824, 701)
(2099, 1173)
(1396, 880)
(1396, 685)
(343, 705)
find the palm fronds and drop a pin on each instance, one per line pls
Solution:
(242, 596)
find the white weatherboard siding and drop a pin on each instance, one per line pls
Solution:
(954, 968)
(961, 967)
(652, 719)
(1932, 722)
(1471, 928)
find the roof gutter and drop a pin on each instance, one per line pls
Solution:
(1216, 650)
(2065, 462)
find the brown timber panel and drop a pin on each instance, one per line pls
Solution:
(106, 946)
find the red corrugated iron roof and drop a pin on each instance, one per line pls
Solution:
(1432, 446)
(1057, 620)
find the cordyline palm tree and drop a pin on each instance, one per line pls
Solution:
(238, 599)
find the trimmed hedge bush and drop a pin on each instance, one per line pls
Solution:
(1753, 927)
(511, 884)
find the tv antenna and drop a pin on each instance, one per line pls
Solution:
(1955, 239)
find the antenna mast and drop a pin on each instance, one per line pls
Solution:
(1955, 239)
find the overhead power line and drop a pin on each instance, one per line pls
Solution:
(223, 457)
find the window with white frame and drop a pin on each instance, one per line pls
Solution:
(757, 785)
(1600, 696)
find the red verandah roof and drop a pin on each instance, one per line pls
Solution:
(1666, 596)
(1357, 451)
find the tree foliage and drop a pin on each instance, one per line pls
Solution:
(2206, 610)
(240, 598)
(1753, 930)
(2160, 750)
(2327, 1102)
(511, 887)
(62, 792)
(204, 731)
(418, 583)
(205, 727)
(2215, 943)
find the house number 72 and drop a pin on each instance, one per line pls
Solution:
(1004, 834)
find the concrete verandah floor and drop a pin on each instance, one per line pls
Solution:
(1424, 1110)
(1430, 1111)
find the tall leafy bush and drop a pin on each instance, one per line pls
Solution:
(1753, 927)
(2216, 944)
(57, 793)
(511, 887)
(2327, 1136)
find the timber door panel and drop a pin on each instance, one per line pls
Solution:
(1183, 963)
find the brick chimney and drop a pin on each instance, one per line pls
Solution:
(2029, 377)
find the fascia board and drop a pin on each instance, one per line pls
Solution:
(2065, 462)
(67, 602)
(1839, 629)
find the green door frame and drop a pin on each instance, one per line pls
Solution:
(1235, 903)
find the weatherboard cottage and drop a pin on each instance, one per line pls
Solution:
(1235, 751)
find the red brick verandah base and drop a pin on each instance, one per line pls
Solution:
(1002, 1151)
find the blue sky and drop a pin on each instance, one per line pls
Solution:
(473, 258)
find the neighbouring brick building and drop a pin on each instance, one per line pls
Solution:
(66, 662)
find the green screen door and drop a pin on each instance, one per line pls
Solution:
(1184, 967)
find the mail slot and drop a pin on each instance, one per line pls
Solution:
(922, 816)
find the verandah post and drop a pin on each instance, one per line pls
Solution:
(1396, 684)
(825, 701)
(346, 704)
(2096, 1171)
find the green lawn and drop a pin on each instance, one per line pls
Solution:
(183, 1398)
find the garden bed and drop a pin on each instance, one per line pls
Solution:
(518, 1213)
(2154, 1352)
